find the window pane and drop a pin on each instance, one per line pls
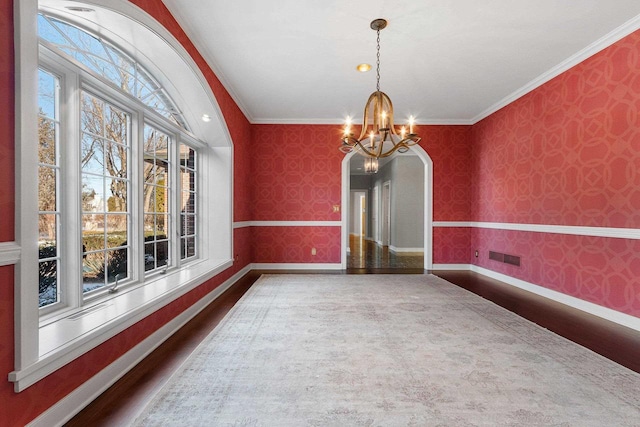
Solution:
(47, 229)
(157, 163)
(92, 155)
(92, 115)
(92, 193)
(162, 226)
(190, 247)
(47, 85)
(48, 216)
(93, 269)
(188, 225)
(149, 256)
(117, 190)
(46, 189)
(117, 265)
(48, 282)
(47, 141)
(105, 192)
(188, 197)
(92, 236)
(117, 226)
(116, 124)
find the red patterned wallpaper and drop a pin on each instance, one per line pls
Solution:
(292, 184)
(603, 271)
(296, 172)
(451, 245)
(450, 149)
(7, 118)
(569, 152)
(293, 244)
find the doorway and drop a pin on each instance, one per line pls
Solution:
(396, 199)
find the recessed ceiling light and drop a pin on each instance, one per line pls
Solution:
(363, 68)
(206, 118)
(79, 9)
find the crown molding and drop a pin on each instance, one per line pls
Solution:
(595, 47)
(356, 120)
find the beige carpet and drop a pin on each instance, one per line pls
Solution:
(388, 350)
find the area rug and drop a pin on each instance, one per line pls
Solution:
(388, 350)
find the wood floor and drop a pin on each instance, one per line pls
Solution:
(122, 402)
(370, 257)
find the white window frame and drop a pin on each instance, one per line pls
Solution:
(42, 347)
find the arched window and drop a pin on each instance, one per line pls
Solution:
(112, 161)
(117, 160)
(109, 62)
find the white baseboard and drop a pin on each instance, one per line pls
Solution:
(296, 266)
(74, 402)
(586, 306)
(403, 250)
(451, 267)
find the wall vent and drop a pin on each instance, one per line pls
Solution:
(507, 259)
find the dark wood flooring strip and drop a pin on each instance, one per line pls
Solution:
(128, 396)
(609, 339)
(123, 401)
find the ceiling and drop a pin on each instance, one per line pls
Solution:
(443, 61)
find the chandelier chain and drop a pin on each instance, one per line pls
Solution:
(378, 64)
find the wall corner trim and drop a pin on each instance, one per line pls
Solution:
(243, 224)
(10, 253)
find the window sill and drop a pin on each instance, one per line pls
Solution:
(69, 337)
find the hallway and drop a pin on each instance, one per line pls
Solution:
(367, 255)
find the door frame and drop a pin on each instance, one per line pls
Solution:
(428, 206)
(385, 238)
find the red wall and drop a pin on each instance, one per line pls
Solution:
(18, 409)
(567, 153)
(7, 118)
(297, 176)
(449, 148)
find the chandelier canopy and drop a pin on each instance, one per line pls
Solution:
(378, 137)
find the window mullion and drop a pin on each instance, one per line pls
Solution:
(71, 183)
(137, 182)
(174, 209)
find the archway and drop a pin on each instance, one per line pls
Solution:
(427, 211)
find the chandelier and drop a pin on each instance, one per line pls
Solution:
(378, 137)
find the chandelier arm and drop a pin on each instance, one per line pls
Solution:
(365, 115)
(362, 148)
